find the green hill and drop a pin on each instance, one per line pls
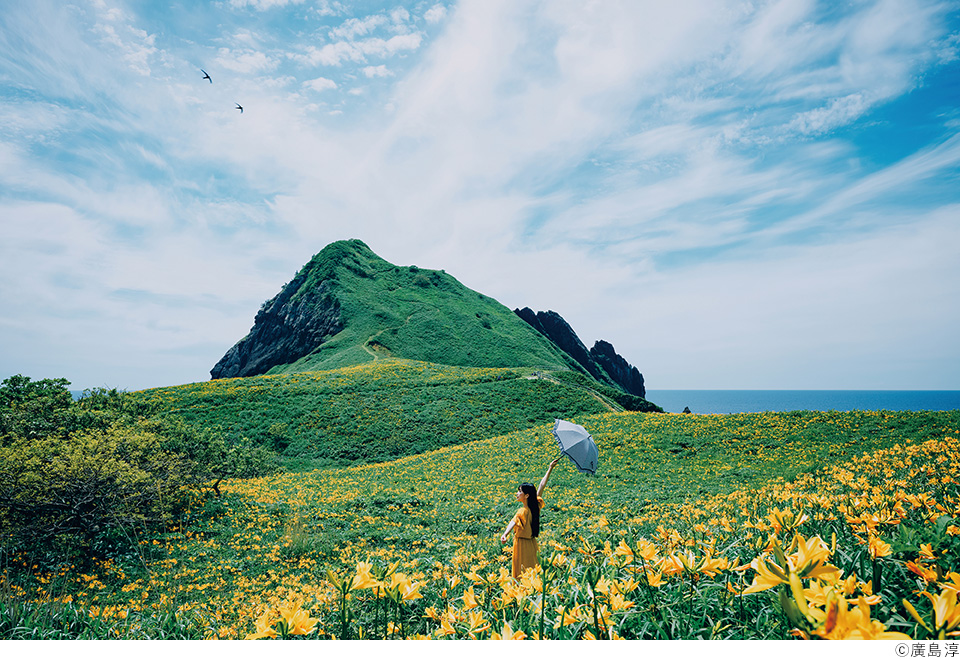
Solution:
(379, 410)
(348, 306)
(357, 360)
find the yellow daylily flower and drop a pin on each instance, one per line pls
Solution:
(446, 628)
(469, 599)
(818, 592)
(842, 622)
(476, 623)
(647, 550)
(878, 547)
(654, 578)
(618, 602)
(953, 583)
(672, 565)
(809, 559)
(946, 614)
(786, 520)
(364, 579)
(624, 550)
(508, 633)
(711, 565)
(264, 625)
(627, 585)
(295, 620)
(928, 574)
(768, 576)
(569, 616)
(603, 585)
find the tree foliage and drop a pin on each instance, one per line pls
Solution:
(83, 478)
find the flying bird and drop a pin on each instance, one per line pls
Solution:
(206, 76)
(240, 108)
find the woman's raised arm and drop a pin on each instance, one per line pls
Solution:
(543, 482)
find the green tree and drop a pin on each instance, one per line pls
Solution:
(82, 478)
(34, 409)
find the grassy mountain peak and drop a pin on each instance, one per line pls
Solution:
(348, 306)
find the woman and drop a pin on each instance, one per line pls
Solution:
(526, 524)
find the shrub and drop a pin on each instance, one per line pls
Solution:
(34, 409)
(62, 496)
(85, 478)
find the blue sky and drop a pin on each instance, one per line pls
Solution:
(735, 194)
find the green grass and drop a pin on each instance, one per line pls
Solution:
(413, 313)
(710, 480)
(373, 412)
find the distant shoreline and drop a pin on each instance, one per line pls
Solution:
(709, 402)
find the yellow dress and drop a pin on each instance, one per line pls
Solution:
(524, 542)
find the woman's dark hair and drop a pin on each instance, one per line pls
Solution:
(533, 503)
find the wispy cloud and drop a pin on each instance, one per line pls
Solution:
(320, 84)
(246, 61)
(334, 54)
(726, 191)
(380, 71)
(263, 5)
(435, 14)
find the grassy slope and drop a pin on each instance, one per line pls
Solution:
(646, 460)
(373, 412)
(417, 314)
(438, 514)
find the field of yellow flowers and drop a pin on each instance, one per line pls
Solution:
(753, 526)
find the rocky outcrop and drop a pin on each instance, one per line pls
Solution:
(602, 361)
(287, 328)
(552, 326)
(622, 373)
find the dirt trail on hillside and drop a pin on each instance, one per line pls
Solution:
(596, 395)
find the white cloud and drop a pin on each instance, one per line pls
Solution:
(399, 16)
(641, 168)
(358, 27)
(435, 14)
(791, 316)
(136, 47)
(839, 112)
(263, 5)
(380, 71)
(246, 61)
(320, 84)
(334, 54)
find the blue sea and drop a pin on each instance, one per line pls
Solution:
(707, 402)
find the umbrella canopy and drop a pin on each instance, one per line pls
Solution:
(577, 444)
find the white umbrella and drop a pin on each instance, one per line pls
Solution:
(577, 444)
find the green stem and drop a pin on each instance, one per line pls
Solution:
(543, 602)
(653, 600)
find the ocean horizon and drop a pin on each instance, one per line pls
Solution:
(711, 402)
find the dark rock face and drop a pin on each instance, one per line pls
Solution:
(624, 374)
(602, 361)
(287, 328)
(552, 326)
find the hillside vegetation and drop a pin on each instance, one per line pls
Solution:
(80, 479)
(417, 314)
(727, 526)
(382, 410)
(348, 306)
